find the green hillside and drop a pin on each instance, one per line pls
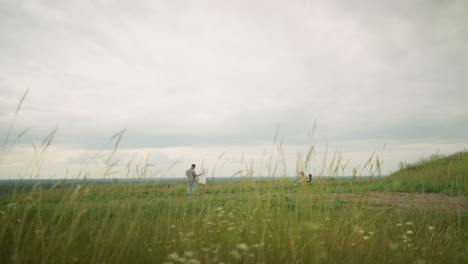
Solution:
(435, 173)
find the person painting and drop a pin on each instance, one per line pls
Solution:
(191, 179)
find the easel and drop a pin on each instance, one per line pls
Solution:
(202, 185)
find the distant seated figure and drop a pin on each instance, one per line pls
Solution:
(300, 178)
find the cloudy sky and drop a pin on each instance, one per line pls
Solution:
(191, 80)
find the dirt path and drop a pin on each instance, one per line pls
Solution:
(422, 201)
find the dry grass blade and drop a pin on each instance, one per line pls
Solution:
(21, 101)
(308, 158)
(22, 133)
(237, 173)
(48, 140)
(130, 161)
(378, 164)
(343, 166)
(35, 148)
(220, 156)
(276, 133)
(324, 162)
(369, 160)
(118, 136)
(12, 124)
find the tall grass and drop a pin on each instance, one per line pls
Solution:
(235, 222)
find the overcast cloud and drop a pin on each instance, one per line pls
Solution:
(193, 79)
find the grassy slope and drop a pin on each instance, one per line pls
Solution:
(448, 174)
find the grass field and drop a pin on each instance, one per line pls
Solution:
(245, 221)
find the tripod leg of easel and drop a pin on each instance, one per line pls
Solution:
(207, 181)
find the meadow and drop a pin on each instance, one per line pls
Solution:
(417, 215)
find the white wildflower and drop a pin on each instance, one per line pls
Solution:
(419, 260)
(243, 246)
(173, 256)
(235, 254)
